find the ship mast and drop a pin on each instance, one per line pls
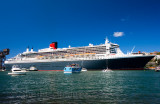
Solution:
(107, 46)
(107, 49)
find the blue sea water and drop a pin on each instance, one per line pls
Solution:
(113, 87)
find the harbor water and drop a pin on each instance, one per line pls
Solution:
(117, 87)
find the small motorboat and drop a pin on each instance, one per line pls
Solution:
(84, 69)
(106, 70)
(72, 68)
(33, 68)
(157, 69)
(17, 71)
(3, 70)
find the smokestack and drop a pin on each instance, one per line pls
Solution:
(32, 49)
(56, 45)
(53, 45)
(27, 50)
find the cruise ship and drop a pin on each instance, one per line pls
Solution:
(91, 57)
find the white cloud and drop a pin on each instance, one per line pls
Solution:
(118, 34)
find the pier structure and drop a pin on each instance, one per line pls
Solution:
(3, 54)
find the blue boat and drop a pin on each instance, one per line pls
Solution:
(72, 68)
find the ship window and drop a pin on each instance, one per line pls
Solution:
(17, 70)
(112, 50)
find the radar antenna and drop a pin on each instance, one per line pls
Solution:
(133, 49)
(106, 40)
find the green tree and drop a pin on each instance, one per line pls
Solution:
(158, 53)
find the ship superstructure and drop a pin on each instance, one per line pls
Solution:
(93, 57)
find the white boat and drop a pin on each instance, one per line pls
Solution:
(32, 68)
(17, 71)
(157, 69)
(84, 69)
(106, 70)
(2, 70)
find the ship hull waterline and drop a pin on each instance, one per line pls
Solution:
(132, 63)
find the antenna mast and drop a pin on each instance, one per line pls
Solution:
(133, 49)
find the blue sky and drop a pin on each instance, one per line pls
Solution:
(79, 22)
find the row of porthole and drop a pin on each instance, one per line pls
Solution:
(69, 68)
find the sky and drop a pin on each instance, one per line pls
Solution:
(37, 23)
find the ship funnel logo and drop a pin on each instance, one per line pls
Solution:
(53, 45)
